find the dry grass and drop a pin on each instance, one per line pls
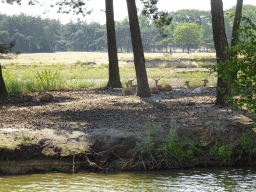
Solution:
(71, 57)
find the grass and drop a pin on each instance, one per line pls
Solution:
(7, 143)
(21, 75)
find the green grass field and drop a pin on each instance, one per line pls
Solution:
(41, 71)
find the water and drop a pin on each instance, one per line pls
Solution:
(243, 179)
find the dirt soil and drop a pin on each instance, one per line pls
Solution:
(94, 121)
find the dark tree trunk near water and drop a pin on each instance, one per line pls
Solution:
(139, 60)
(220, 43)
(114, 76)
(3, 91)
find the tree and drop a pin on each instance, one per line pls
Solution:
(206, 32)
(243, 69)
(221, 45)
(3, 91)
(77, 6)
(114, 77)
(139, 60)
(123, 35)
(190, 16)
(187, 34)
(4, 49)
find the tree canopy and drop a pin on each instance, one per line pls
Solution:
(30, 32)
(187, 34)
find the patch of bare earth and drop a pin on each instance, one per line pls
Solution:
(76, 119)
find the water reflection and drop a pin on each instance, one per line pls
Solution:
(175, 180)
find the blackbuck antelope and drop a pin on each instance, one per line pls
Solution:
(197, 88)
(162, 87)
(127, 90)
(133, 87)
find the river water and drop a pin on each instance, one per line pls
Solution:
(196, 179)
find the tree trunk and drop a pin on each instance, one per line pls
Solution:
(114, 77)
(139, 60)
(220, 43)
(236, 26)
(3, 91)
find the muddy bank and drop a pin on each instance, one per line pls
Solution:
(99, 130)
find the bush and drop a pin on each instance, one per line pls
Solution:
(240, 72)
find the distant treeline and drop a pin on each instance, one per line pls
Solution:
(34, 34)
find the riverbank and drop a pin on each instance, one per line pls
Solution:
(103, 130)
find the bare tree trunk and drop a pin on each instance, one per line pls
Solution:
(114, 77)
(220, 43)
(3, 91)
(139, 60)
(236, 26)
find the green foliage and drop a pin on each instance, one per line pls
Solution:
(78, 62)
(187, 33)
(248, 144)
(25, 137)
(47, 78)
(131, 135)
(240, 72)
(80, 84)
(35, 34)
(223, 152)
(172, 148)
(153, 129)
(150, 131)
(104, 65)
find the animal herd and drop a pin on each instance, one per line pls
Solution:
(130, 89)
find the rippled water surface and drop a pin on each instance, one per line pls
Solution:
(243, 179)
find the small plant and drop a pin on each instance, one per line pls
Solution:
(46, 77)
(66, 151)
(26, 138)
(12, 64)
(173, 148)
(154, 129)
(78, 62)
(104, 65)
(131, 135)
(82, 150)
(200, 64)
(149, 145)
(34, 64)
(224, 152)
(163, 65)
(248, 147)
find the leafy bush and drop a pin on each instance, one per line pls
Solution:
(240, 72)
(248, 148)
(47, 78)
